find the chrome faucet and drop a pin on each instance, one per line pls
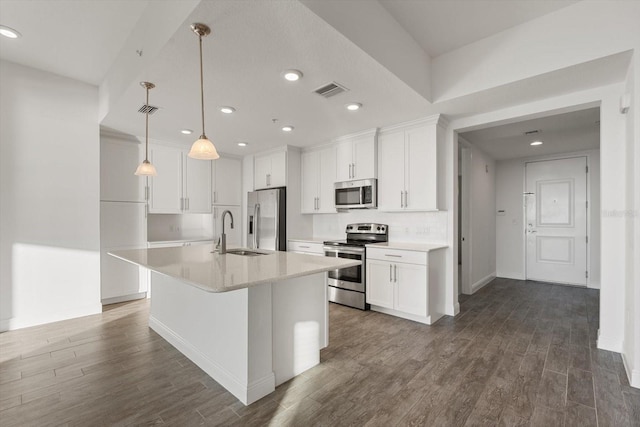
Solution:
(223, 237)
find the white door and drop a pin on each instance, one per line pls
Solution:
(364, 158)
(411, 288)
(380, 283)
(327, 179)
(278, 174)
(391, 182)
(344, 159)
(556, 220)
(310, 173)
(420, 172)
(262, 168)
(227, 181)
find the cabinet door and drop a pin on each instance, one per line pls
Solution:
(364, 158)
(379, 284)
(411, 288)
(166, 187)
(227, 181)
(234, 235)
(197, 178)
(309, 188)
(327, 179)
(420, 180)
(278, 174)
(344, 160)
(391, 170)
(262, 168)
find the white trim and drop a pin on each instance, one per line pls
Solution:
(123, 298)
(70, 313)
(606, 343)
(633, 375)
(482, 282)
(369, 132)
(246, 393)
(427, 320)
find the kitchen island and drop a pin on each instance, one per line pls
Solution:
(250, 322)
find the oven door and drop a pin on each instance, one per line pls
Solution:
(351, 278)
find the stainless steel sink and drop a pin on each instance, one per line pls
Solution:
(244, 252)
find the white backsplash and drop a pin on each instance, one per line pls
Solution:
(163, 227)
(415, 227)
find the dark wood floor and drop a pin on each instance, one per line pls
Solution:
(519, 353)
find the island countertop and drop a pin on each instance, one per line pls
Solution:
(212, 272)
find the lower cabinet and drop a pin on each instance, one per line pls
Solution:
(305, 247)
(408, 284)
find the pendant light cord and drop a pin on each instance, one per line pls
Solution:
(146, 130)
(201, 87)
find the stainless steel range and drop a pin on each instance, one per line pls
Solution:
(347, 286)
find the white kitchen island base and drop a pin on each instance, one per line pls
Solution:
(249, 340)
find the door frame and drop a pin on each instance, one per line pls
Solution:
(552, 157)
(465, 210)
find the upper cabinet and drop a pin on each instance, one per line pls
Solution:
(120, 155)
(318, 178)
(356, 156)
(227, 181)
(270, 170)
(411, 158)
(183, 184)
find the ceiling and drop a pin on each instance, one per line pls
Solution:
(252, 42)
(561, 133)
(76, 39)
(442, 26)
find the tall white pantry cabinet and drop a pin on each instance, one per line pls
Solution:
(123, 222)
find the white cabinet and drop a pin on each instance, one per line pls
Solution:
(227, 181)
(306, 247)
(318, 178)
(356, 156)
(123, 225)
(410, 162)
(183, 184)
(270, 170)
(407, 284)
(234, 235)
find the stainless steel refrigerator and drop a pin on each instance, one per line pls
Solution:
(266, 219)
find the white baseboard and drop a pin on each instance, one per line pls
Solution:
(69, 313)
(123, 298)
(632, 374)
(607, 343)
(512, 275)
(482, 282)
(246, 393)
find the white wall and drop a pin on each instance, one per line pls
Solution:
(510, 236)
(483, 219)
(49, 198)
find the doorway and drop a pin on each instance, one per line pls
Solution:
(556, 212)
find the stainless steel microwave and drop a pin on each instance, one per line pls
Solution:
(359, 194)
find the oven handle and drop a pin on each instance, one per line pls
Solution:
(352, 251)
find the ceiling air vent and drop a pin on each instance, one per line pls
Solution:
(532, 132)
(147, 109)
(330, 89)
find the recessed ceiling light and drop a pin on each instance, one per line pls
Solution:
(292, 75)
(354, 106)
(186, 131)
(9, 33)
(227, 110)
(242, 144)
(536, 143)
(287, 128)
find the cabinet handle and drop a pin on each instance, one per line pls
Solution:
(215, 196)
(393, 256)
(406, 204)
(187, 202)
(318, 208)
(181, 204)
(146, 192)
(350, 175)
(306, 247)
(390, 273)
(401, 199)
(354, 170)
(146, 210)
(395, 273)
(268, 180)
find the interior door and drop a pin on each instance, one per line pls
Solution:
(198, 185)
(556, 220)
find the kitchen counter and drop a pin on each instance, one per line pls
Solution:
(250, 322)
(418, 247)
(212, 272)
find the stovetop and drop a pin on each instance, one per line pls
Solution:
(346, 242)
(362, 234)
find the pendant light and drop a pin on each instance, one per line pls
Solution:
(146, 168)
(202, 149)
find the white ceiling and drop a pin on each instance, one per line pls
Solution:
(442, 26)
(561, 133)
(251, 44)
(76, 39)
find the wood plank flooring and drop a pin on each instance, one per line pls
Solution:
(519, 354)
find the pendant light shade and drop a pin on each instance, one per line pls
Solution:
(146, 168)
(202, 149)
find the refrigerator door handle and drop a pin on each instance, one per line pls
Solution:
(277, 227)
(256, 227)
